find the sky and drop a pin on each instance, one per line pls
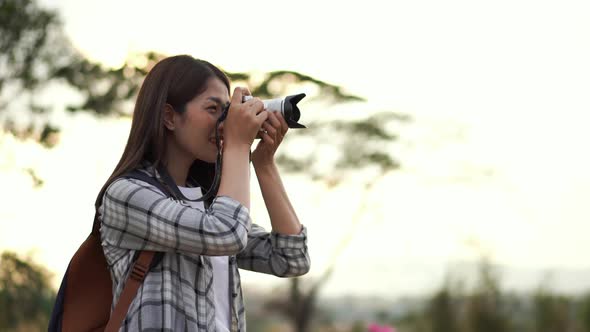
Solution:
(494, 160)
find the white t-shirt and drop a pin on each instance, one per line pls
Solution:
(220, 271)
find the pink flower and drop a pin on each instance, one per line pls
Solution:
(373, 327)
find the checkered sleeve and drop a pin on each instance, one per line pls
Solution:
(136, 215)
(274, 253)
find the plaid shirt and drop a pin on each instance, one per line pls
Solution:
(177, 293)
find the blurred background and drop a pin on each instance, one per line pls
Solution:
(443, 177)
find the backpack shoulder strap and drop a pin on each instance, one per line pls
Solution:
(140, 268)
(136, 174)
(135, 279)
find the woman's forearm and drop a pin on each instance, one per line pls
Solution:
(282, 215)
(235, 179)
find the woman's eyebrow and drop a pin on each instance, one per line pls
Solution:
(217, 100)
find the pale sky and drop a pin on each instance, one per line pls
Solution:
(496, 151)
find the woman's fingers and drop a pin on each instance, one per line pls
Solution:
(274, 121)
(244, 119)
(239, 93)
(256, 105)
(261, 117)
(269, 128)
(267, 138)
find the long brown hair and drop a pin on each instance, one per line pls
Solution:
(174, 80)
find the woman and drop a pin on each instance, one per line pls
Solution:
(196, 285)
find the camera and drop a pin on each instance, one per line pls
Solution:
(287, 106)
(290, 112)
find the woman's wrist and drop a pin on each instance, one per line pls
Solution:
(235, 179)
(264, 166)
(237, 148)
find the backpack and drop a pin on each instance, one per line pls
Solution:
(84, 298)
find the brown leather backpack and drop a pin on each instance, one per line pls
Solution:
(84, 299)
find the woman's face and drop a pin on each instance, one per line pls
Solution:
(195, 129)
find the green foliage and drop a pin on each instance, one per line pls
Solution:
(275, 82)
(105, 90)
(486, 308)
(441, 311)
(551, 312)
(485, 305)
(359, 326)
(25, 30)
(291, 164)
(370, 128)
(358, 143)
(36, 53)
(26, 297)
(583, 313)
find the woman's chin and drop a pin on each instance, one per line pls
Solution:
(208, 155)
(211, 158)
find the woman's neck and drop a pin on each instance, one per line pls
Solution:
(178, 172)
(177, 165)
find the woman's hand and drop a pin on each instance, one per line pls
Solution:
(274, 130)
(239, 130)
(243, 120)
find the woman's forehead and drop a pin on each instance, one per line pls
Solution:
(216, 91)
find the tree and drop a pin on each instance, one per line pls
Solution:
(552, 312)
(485, 307)
(26, 296)
(441, 311)
(36, 56)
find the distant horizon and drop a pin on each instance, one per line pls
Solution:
(511, 279)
